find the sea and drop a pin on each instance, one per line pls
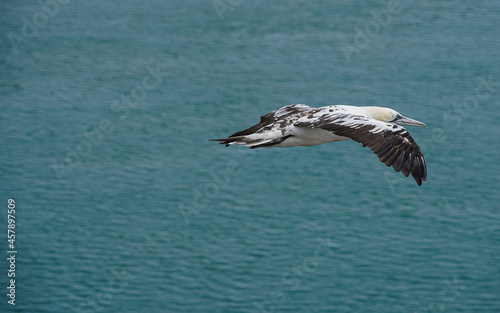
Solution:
(119, 203)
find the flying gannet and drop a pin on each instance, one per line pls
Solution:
(376, 127)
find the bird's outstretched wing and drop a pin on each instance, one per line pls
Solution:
(271, 129)
(280, 114)
(393, 145)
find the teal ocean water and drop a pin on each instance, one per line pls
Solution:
(122, 205)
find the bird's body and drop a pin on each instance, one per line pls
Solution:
(375, 127)
(299, 136)
(303, 136)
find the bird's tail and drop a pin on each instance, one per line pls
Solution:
(248, 141)
(242, 140)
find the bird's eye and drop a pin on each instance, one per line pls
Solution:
(397, 117)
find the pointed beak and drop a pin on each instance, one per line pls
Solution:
(410, 122)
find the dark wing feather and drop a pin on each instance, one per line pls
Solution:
(393, 145)
(273, 117)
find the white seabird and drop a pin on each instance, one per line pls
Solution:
(376, 127)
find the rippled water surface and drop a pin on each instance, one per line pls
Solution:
(124, 206)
